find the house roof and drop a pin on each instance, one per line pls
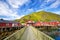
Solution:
(30, 21)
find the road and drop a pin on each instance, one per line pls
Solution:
(28, 34)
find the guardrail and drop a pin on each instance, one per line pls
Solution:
(17, 35)
(41, 36)
(45, 37)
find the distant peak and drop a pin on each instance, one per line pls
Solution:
(1, 19)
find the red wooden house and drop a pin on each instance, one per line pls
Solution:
(46, 24)
(53, 24)
(58, 23)
(2, 24)
(5, 24)
(29, 23)
(38, 23)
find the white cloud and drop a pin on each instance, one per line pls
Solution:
(49, 0)
(40, 10)
(9, 13)
(30, 10)
(57, 12)
(46, 2)
(11, 18)
(16, 3)
(56, 4)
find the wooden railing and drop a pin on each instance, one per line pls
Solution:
(45, 37)
(40, 35)
(16, 35)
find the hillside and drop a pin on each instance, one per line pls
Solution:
(40, 16)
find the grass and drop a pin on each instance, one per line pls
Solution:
(40, 16)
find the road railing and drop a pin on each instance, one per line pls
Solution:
(17, 35)
(40, 35)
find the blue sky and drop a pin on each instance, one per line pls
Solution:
(15, 9)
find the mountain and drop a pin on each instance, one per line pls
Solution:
(40, 16)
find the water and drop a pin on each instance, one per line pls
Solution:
(57, 38)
